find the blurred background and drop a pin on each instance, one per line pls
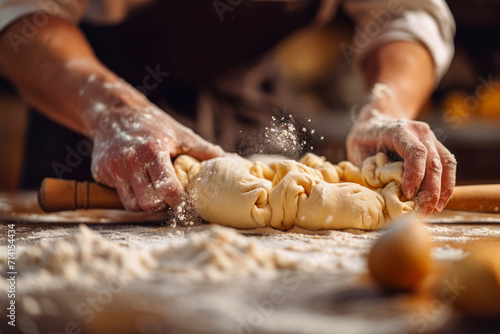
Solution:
(464, 111)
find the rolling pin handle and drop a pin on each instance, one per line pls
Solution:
(61, 195)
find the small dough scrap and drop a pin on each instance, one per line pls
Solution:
(312, 193)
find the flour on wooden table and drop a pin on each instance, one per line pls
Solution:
(86, 260)
(80, 259)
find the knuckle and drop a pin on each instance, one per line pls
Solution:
(448, 191)
(428, 198)
(450, 162)
(141, 179)
(153, 205)
(419, 150)
(128, 154)
(149, 201)
(147, 148)
(400, 125)
(131, 204)
(164, 185)
(401, 122)
(436, 165)
(169, 194)
(422, 127)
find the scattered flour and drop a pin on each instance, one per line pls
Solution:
(218, 254)
(87, 259)
(283, 136)
(83, 260)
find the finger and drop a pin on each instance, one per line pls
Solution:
(102, 175)
(126, 193)
(448, 177)
(358, 148)
(414, 155)
(167, 186)
(144, 191)
(357, 153)
(200, 149)
(430, 189)
(101, 171)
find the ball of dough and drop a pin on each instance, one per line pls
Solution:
(401, 258)
(476, 281)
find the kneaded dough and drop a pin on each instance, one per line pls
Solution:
(311, 193)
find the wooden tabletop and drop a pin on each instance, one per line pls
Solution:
(338, 301)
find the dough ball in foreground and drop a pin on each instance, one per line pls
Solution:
(401, 258)
(477, 281)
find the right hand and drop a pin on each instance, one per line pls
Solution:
(133, 148)
(429, 168)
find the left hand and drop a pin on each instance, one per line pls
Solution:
(429, 168)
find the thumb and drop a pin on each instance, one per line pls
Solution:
(202, 150)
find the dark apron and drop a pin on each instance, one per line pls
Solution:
(222, 82)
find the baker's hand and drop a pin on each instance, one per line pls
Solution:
(429, 168)
(133, 147)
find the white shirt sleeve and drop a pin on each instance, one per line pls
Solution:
(378, 22)
(11, 10)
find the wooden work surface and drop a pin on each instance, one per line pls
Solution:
(336, 301)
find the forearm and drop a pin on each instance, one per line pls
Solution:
(408, 69)
(384, 124)
(57, 72)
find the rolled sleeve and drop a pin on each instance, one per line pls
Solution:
(12, 10)
(378, 22)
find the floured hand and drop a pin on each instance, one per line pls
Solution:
(133, 147)
(429, 168)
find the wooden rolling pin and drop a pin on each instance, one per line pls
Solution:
(61, 195)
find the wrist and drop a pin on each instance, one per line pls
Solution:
(381, 101)
(110, 103)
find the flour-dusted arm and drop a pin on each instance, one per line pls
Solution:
(402, 48)
(45, 55)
